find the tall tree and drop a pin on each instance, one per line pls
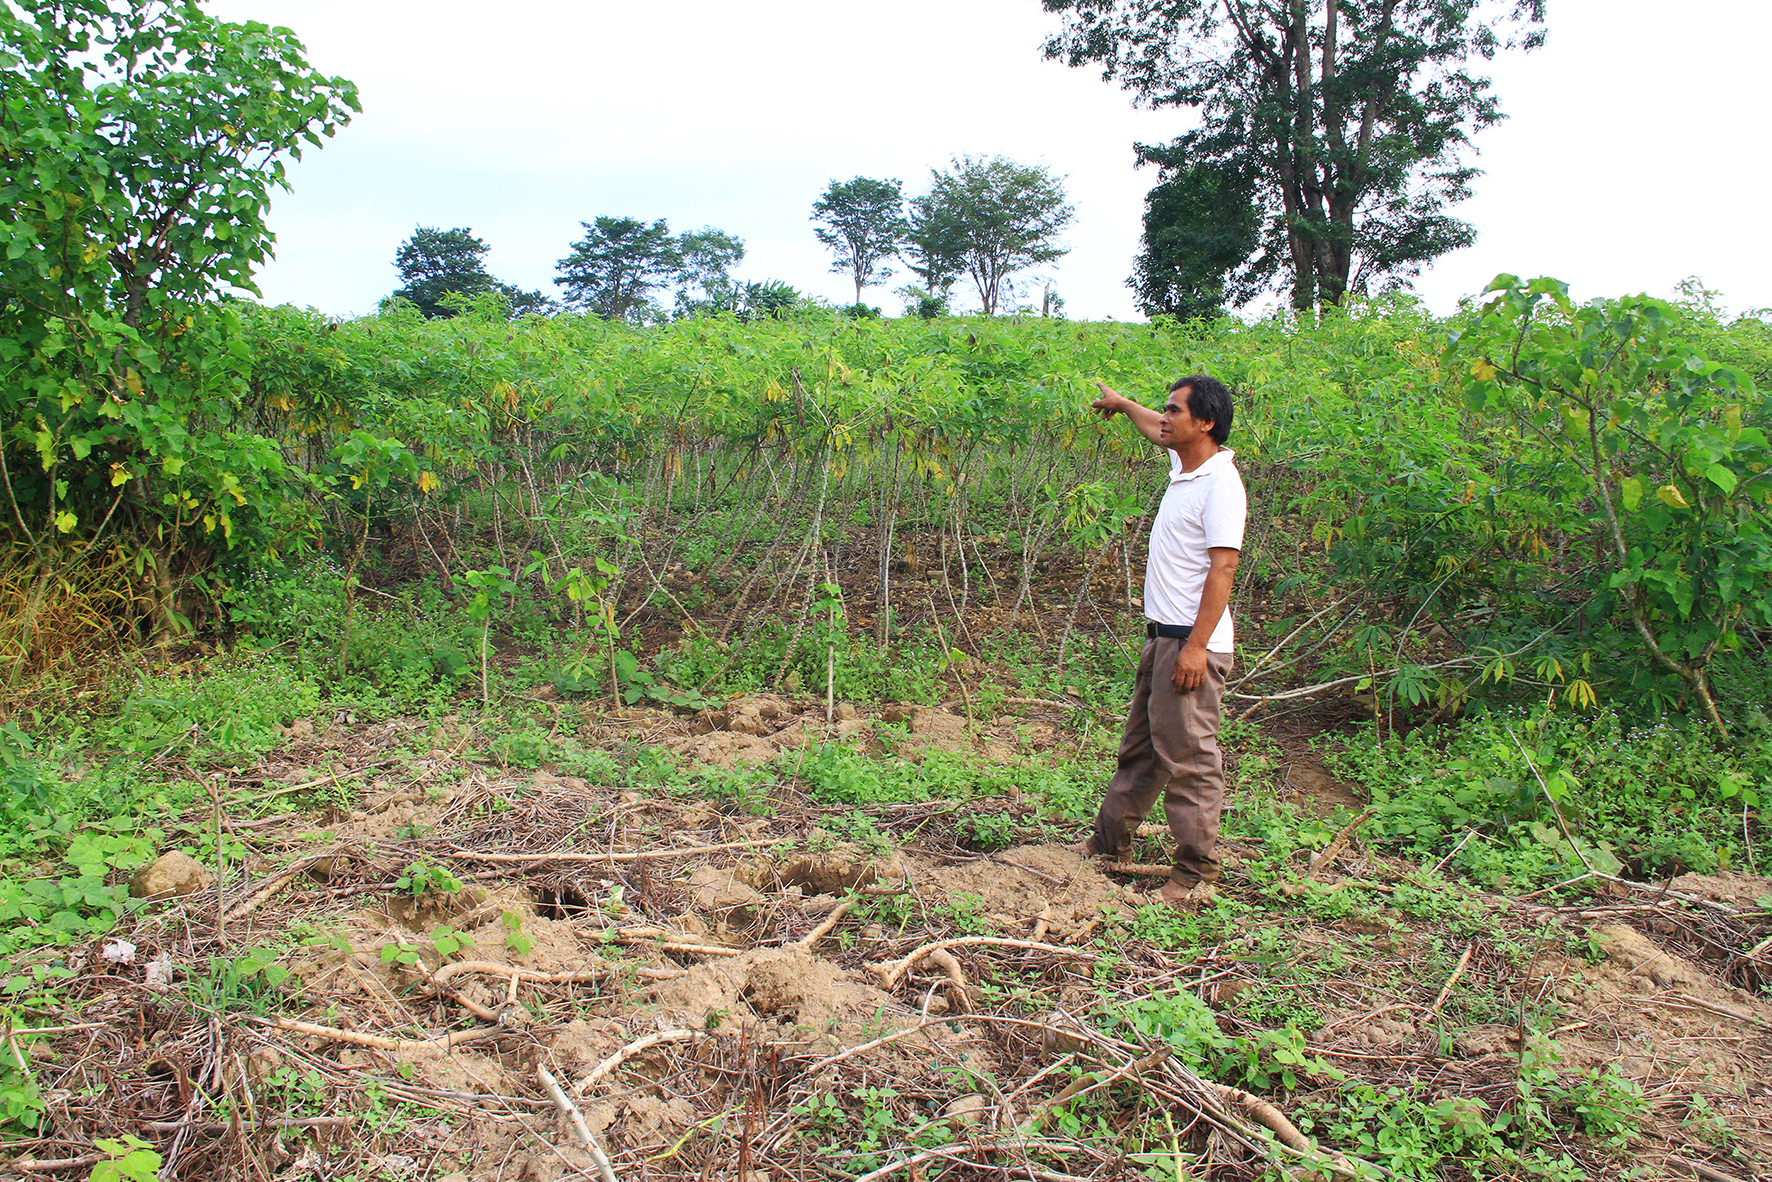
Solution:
(1353, 118)
(614, 269)
(987, 217)
(705, 258)
(443, 269)
(1202, 248)
(862, 222)
(435, 263)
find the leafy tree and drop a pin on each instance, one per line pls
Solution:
(436, 265)
(614, 269)
(987, 218)
(1202, 243)
(1351, 117)
(862, 221)
(705, 258)
(524, 303)
(142, 141)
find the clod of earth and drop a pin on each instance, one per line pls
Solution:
(170, 876)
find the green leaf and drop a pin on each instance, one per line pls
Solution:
(1631, 491)
(1722, 477)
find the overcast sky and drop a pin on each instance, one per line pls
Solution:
(1636, 153)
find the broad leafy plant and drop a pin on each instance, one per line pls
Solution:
(1652, 447)
(142, 142)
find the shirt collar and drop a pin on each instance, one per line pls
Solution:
(1218, 459)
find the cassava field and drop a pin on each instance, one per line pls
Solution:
(569, 749)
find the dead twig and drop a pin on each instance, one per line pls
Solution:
(467, 855)
(275, 883)
(1433, 1011)
(381, 1043)
(1142, 869)
(892, 973)
(1699, 1169)
(634, 1048)
(494, 968)
(1089, 1082)
(1322, 861)
(581, 1130)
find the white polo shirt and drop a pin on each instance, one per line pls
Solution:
(1201, 510)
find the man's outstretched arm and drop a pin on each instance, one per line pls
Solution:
(1143, 418)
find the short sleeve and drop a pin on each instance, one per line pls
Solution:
(1227, 508)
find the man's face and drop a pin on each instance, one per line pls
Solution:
(1179, 427)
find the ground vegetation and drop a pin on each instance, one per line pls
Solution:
(695, 720)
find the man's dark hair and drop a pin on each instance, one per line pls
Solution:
(1208, 400)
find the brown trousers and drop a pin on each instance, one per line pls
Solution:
(1169, 749)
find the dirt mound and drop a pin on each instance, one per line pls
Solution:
(1644, 1006)
(795, 994)
(748, 730)
(933, 729)
(829, 869)
(1031, 885)
(1738, 890)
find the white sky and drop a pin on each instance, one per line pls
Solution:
(1635, 154)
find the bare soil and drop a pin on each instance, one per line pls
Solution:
(664, 960)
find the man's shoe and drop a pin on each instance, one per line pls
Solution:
(1188, 896)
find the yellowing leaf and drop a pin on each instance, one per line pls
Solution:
(1632, 488)
(119, 475)
(1482, 370)
(133, 380)
(427, 482)
(1670, 496)
(66, 520)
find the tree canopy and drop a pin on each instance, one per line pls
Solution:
(705, 260)
(616, 267)
(862, 222)
(1352, 119)
(987, 217)
(438, 264)
(1202, 252)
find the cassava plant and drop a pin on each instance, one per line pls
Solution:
(1653, 446)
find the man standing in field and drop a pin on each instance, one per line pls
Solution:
(1170, 745)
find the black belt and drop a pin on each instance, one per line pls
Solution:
(1152, 630)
